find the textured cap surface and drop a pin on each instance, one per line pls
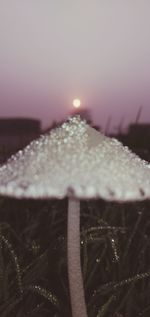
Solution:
(77, 160)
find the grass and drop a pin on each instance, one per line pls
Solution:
(115, 251)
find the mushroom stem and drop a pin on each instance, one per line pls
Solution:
(78, 304)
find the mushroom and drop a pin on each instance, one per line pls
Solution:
(77, 161)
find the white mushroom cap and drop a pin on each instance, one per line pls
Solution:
(77, 160)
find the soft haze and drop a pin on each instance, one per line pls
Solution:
(54, 51)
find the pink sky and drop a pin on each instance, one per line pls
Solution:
(54, 51)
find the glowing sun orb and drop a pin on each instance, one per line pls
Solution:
(76, 103)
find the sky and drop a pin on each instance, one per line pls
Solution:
(54, 51)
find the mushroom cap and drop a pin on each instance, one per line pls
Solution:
(76, 160)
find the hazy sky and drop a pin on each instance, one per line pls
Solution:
(54, 50)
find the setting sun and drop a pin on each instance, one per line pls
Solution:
(77, 103)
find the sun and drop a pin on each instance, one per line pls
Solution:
(76, 103)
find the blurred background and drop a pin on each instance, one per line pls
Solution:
(54, 52)
(61, 58)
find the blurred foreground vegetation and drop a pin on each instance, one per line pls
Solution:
(115, 249)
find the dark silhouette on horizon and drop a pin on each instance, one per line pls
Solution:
(16, 133)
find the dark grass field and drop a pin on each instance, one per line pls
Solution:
(115, 250)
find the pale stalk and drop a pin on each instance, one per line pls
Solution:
(78, 304)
